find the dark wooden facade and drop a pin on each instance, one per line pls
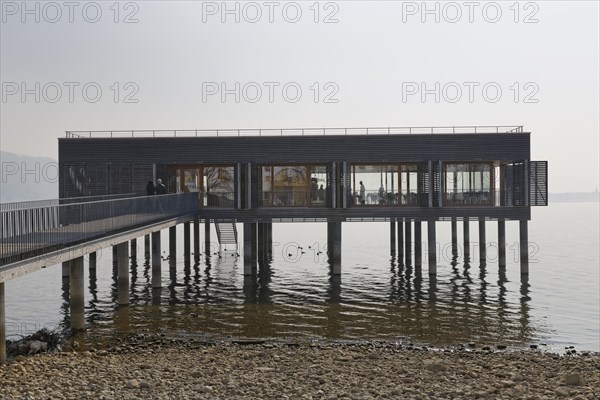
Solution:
(93, 166)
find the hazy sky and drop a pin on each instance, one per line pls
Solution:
(164, 65)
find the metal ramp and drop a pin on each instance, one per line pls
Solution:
(227, 234)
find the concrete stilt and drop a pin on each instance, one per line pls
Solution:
(250, 238)
(207, 236)
(334, 246)
(173, 244)
(147, 246)
(76, 294)
(133, 246)
(453, 226)
(93, 261)
(431, 247)
(65, 269)
(393, 236)
(156, 260)
(196, 239)
(186, 242)
(418, 245)
(2, 325)
(269, 226)
(467, 240)
(400, 239)
(501, 243)
(122, 274)
(407, 242)
(482, 244)
(524, 245)
(114, 255)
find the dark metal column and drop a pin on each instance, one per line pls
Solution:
(156, 260)
(393, 236)
(93, 260)
(2, 325)
(431, 247)
(482, 244)
(147, 246)
(186, 242)
(501, 243)
(122, 274)
(207, 248)
(334, 246)
(172, 244)
(196, 239)
(250, 236)
(466, 241)
(407, 242)
(400, 239)
(76, 294)
(453, 226)
(524, 245)
(418, 245)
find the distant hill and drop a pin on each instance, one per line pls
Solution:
(575, 197)
(27, 178)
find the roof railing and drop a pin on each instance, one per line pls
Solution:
(482, 129)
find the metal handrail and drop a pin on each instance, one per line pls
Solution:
(21, 205)
(25, 233)
(482, 129)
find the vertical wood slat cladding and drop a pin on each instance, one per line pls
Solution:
(309, 149)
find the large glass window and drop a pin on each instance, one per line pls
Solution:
(218, 186)
(375, 184)
(293, 185)
(468, 184)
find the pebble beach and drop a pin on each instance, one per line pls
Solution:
(155, 367)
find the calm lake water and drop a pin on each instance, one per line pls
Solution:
(377, 296)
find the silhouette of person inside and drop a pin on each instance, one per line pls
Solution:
(150, 189)
(160, 188)
(362, 193)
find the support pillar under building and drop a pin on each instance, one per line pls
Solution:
(147, 246)
(93, 260)
(122, 274)
(418, 245)
(196, 239)
(207, 236)
(407, 242)
(250, 246)
(76, 290)
(156, 260)
(431, 247)
(482, 244)
(65, 269)
(186, 242)
(393, 236)
(334, 246)
(172, 244)
(133, 247)
(467, 240)
(524, 246)
(400, 239)
(453, 228)
(501, 243)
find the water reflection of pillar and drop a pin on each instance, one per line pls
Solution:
(333, 306)
(64, 308)
(77, 294)
(432, 291)
(173, 286)
(121, 320)
(525, 333)
(431, 248)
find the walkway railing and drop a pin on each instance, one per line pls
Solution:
(21, 205)
(26, 233)
(296, 131)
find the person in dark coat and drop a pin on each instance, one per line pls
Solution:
(160, 188)
(150, 189)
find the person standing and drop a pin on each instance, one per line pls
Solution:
(362, 193)
(150, 189)
(160, 188)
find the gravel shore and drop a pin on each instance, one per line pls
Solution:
(154, 367)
